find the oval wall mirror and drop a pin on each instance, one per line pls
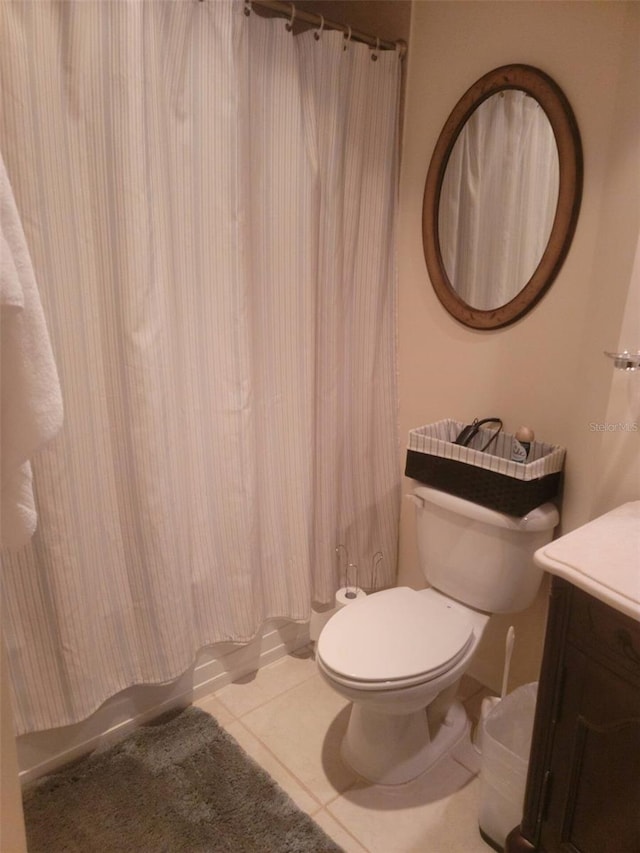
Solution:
(502, 196)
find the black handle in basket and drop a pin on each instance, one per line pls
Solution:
(469, 432)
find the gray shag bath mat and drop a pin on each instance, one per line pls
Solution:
(181, 785)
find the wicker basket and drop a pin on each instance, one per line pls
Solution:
(491, 479)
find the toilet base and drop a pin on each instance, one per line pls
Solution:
(389, 749)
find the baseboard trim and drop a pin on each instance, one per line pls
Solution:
(40, 753)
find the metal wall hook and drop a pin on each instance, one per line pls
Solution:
(352, 589)
(378, 557)
(341, 549)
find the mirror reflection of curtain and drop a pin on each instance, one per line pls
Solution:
(498, 199)
(209, 203)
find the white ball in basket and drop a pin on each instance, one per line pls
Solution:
(525, 433)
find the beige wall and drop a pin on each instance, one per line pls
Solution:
(387, 19)
(547, 370)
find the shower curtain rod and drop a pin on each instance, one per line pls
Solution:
(289, 10)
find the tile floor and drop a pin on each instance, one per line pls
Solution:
(291, 723)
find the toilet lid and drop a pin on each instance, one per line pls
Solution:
(394, 635)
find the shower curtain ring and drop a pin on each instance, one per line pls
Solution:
(318, 32)
(289, 24)
(248, 8)
(401, 47)
(347, 37)
(374, 52)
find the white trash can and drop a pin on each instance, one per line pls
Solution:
(506, 742)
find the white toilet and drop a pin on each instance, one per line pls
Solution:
(398, 655)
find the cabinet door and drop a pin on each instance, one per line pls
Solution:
(594, 791)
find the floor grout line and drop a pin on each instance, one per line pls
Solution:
(346, 829)
(270, 699)
(288, 772)
(288, 769)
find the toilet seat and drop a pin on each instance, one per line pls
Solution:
(393, 639)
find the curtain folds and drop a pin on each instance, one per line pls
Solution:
(210, 207)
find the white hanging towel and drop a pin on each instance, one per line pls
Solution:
(30, 397)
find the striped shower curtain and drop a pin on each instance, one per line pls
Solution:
(209, 205)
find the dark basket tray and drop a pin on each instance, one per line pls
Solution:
(488, 488)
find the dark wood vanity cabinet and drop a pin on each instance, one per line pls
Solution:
(583, 786)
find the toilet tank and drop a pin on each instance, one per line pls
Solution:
(478, 556)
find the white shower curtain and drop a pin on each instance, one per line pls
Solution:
(501, 182)
(209, 203)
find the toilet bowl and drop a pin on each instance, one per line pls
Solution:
(392, 655)
(399, 654)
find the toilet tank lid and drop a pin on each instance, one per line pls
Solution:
(544, 517)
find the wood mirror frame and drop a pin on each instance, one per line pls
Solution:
(551, 98)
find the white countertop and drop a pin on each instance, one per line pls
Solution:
(602, 558)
